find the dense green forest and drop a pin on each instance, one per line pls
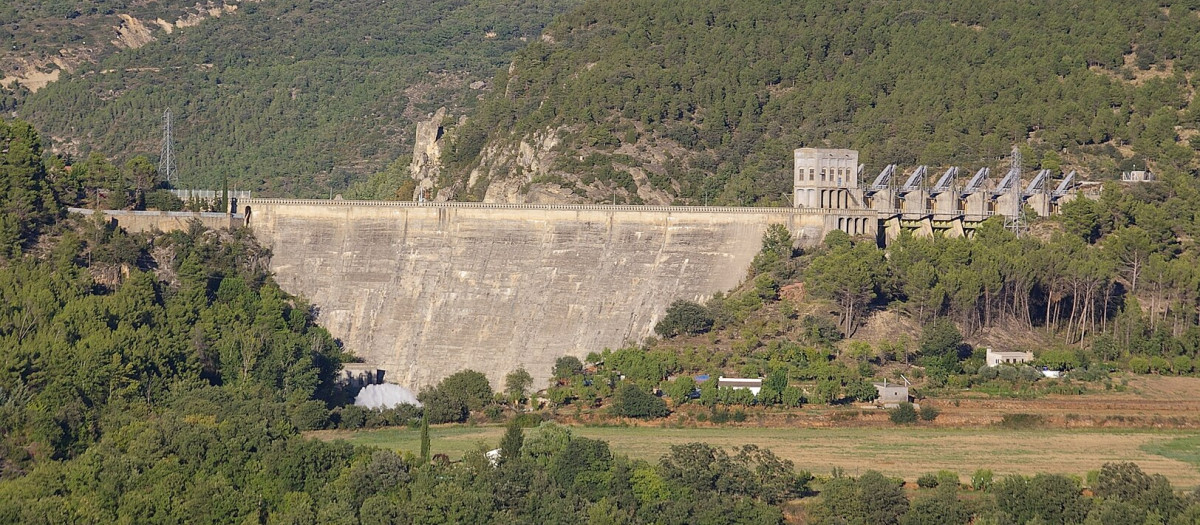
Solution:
(100, 328)
(288, 98)
(711, 97)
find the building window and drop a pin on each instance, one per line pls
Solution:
(822, 174)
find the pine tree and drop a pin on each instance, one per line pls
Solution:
(510, 444)
(424, 440)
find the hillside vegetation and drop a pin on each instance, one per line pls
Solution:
(288, 97)
(1111, 284)
(41, 38)
(643, 100)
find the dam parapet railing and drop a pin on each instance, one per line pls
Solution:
(564, 207)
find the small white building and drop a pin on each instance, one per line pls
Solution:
(1137, 176)
(891, 393)
(995, 358)
(753, 385)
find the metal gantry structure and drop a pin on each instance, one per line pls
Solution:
(976, 181)
(167, 169)
(1064, 186)
(944, 183)
(1014, 220)
(914, 181)
(883, 180)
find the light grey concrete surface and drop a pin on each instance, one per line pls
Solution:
(425, 290)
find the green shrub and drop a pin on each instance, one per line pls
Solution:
(352, 417)
(567, 366)
(631, 401)
(981, 479)
(528, 420)
(904, 414)
(684, 317)
(162, 200)
(1140, 365)
(793, 396)
(821, 330)
(1181, 365)
(928, 480)
(1018, 421)
(720, 416)
(443, 407)
(310, 415)
(928, 413)
(947, 478)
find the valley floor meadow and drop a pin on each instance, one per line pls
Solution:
(896, 451)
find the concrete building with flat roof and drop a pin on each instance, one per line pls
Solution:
(995, 358)
(824, 177)
(736, 383)
(891, 393)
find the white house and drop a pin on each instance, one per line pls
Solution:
(753, 385)
(995, 358)
(891, 393)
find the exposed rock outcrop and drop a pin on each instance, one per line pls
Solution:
(132, 33)
(426, 166)
(522, 163)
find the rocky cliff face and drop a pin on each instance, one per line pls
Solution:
(532, 170)
(426, 166)
(511, 170)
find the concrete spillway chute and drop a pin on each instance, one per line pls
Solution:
(943, 184)
(883, 180)
(915, 180)
(1065, 186)
(976, 182)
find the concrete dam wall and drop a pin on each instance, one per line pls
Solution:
(423, 290)
(144, 221)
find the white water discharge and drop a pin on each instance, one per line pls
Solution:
(385, 396)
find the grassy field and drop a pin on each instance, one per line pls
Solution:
(903, 452)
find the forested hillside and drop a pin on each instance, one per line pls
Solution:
(40, 37)
(288, 98)
(99, 326)
(692, 101)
